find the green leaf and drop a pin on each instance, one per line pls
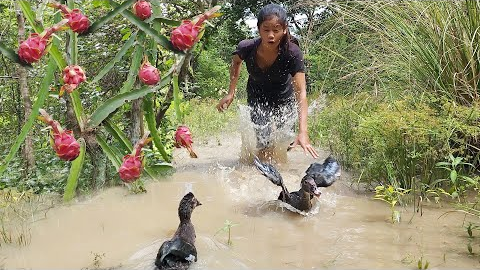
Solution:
(110, 152)
(75, 170)
(152, 126)
(167, 21)
(160, 39)
(78, 109)
(41, 97)
(135, 64)
(453, 176)
(109, 16)
(12, 55)
(30, 16)
(109, 106)
(117, 58)
(118, 134)
(160, 168)
(176, 99)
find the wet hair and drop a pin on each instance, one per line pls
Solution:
(270, 10)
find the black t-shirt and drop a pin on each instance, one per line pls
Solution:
(274, 84)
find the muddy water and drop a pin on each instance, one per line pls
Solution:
(347, 229)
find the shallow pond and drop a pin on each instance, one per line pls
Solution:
(347, 229)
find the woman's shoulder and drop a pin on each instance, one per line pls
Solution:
(294, 50)
(248, 43)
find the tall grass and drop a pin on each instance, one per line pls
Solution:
(437, 42)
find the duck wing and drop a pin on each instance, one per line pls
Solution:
(324, 174)
(269, 171)
(272, 174)
(175, 253)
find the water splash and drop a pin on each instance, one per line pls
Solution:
(277, 137)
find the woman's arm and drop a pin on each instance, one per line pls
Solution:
(300, 87)
(234, 74)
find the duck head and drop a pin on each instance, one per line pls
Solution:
(308, 185)
(186, 206)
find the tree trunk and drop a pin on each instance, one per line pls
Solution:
(27, 150)
(136, 121)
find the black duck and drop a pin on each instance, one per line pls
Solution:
(179, 252)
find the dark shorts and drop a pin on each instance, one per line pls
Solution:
(267, 119)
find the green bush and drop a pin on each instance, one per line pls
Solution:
(395, 142)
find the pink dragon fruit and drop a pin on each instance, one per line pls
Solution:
(142, 9)
(32, 49)
(148, 74)
(186, 35)
(132, 165)
(131, 168)
(183, 138)
(63, 141)
(73, 75)
(78, 22)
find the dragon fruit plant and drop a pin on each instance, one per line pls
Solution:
(183, 138)
(77, 21)
(33, 48)
(63, 141)
(142, 9)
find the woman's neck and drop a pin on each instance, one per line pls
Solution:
(269, 49)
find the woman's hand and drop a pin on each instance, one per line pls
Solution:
(225, 102)
(303, 140)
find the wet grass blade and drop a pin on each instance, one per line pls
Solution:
(12, 55)
(160, 39)
(75, 170)
(152, 127)
(108, 17)
(109, 106)
(41, 97)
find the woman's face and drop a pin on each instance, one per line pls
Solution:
(272, 31)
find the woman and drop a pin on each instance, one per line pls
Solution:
(276, 78)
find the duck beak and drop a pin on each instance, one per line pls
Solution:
(198, 203)
(317, 192)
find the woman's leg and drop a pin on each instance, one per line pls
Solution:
(262, 124)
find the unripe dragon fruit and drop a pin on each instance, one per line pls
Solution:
(33, 48)
(132, 165)
(185, 36)
(63, 141)
(77, 21)
(73, 75)
(183, 138)
(142, 9)
(148, 74)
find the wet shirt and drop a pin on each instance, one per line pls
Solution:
(272, 85)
